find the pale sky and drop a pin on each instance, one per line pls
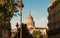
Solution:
(38, 9)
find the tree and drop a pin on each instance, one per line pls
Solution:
(37, 34)
(25, 32)
(7, 10)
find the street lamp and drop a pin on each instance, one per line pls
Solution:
(17, 26)
(17, 29)
(20, 4)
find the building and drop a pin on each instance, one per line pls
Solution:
(5, 30)
(13, 32)
(54, 19)
(30, 22)
(31, 25)
(43, 31)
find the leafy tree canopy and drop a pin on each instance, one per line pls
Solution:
(37, 34)
(7, 9)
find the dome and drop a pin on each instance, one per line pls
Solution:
(29, 16)
(29, 21)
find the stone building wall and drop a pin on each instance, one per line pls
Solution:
(54, 20)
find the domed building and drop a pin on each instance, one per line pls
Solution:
(31, 25)
(30, 22)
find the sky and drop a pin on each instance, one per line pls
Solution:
(38, 9)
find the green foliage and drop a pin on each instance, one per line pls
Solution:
(7, 9)
(37, 34)
(25, 32)
(1, 15)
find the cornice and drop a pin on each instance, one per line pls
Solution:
(53, 5)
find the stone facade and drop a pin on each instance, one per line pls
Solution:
(13, 33)
(54, 20)
(5, 30)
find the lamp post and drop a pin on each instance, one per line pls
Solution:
(17, 29)
(21, 7)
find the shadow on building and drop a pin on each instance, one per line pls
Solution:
(54, 19)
